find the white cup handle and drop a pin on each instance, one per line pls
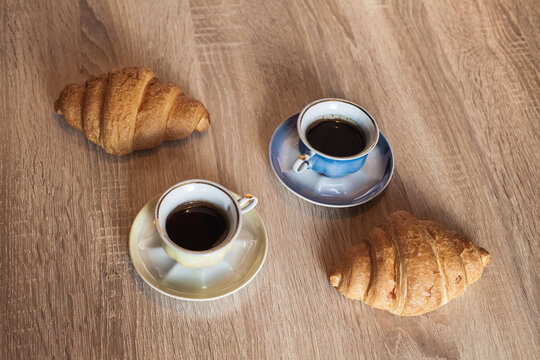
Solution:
(302, 163)
(247, 202)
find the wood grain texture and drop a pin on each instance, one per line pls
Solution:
(454, 85)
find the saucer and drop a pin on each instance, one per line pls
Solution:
(351, 190)
(238, 268)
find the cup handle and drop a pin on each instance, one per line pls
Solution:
(302, 163)
(247, 202)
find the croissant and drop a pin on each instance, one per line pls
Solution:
(130, 109)
(408, 266)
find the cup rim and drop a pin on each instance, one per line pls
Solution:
(163, 234)
(339, 158)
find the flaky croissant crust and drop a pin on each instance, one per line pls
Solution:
(129, 109)
(408, 266)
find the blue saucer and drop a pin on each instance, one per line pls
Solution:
(350, 190)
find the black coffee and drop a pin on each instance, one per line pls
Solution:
(197, 226)
(336, 137)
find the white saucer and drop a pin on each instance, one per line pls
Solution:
(168, 277)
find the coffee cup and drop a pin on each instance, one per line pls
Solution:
(348, 114)
(215, 196)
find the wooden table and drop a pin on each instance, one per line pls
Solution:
(455, 87)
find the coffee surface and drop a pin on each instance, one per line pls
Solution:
(197, 226)
(336, 137)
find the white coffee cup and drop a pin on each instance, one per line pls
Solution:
(208, 192)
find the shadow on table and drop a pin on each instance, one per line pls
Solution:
(99, 152)
(367, 216)
(214, 309)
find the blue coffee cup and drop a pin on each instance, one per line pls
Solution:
(334, 166)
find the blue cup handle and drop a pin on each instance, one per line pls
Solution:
(302, 163)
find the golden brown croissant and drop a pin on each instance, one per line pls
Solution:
(130, 109)
(409, 267)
